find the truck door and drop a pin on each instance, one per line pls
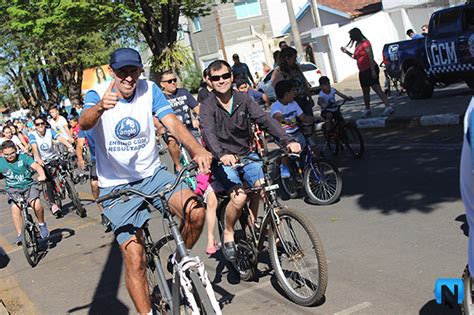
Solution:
(466, 38)
(442, 45)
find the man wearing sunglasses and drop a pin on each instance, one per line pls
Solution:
(182, 103)
(41, 140)
(225, 118)
(121, 118)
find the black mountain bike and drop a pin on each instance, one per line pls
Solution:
(296, 251)
(344, 134)
(30, 235)
(190, 280)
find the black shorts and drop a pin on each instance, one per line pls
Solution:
(366, 79)
(93, 171)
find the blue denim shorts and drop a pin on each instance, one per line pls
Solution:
(128, 217)
(229, 177)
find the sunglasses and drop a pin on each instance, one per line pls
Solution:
(171, 81)
(225, 76)
(9, 154)
(40, 124)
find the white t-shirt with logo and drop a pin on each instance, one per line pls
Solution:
(125, 144)
(328, 100)
(58, 127)
(289, 112)
(45, 143)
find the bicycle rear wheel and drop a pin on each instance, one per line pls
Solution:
(298, 258)
(72, 192)
(322, 182)
(29, 239)
(353, 140)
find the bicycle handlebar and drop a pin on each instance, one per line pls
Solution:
(130, 191)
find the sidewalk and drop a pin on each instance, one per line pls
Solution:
(445, 107)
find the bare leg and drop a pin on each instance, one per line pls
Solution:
(135, 272)
(233, 211)
(39, 210)
(211, 218)
(366, 92)
(377, 89)
(17, 219)
(95, 192)
(195, 215)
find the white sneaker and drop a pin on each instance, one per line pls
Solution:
(366, 113)
(388, 111)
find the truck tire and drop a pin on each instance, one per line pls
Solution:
(470, 83)
(416, 84)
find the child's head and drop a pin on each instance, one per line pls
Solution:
(285, 91)
(9, 150)
(73, 121)
(325, 84)
(242, 86)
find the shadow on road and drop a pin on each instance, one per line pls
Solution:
(433, 308)
(464, 227)
(4, 259)
(105, 300)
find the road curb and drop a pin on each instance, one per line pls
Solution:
(448, 119)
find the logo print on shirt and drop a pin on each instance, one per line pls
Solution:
(127, 128)
(44, 147)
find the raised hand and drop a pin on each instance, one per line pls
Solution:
(110, 99)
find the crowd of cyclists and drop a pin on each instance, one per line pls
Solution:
(119, 125)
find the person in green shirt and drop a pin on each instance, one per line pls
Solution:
(16, 169)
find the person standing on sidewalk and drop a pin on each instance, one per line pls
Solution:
(368, 70)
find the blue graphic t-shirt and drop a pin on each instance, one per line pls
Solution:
(182, 103)
(17, 174)
(289, 112)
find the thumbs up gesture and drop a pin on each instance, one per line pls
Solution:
(110, 99)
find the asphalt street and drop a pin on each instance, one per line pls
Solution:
(398, 227)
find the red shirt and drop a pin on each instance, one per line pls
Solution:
(363, 59)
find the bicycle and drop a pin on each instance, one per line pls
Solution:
(63, 181)
(185, 159)
(344, 134)
(289, 247)
(320, 179)
(29, 232)
(468, 304)
(190, 279)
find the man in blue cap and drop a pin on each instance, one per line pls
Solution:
(120, 114)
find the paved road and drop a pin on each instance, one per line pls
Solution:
(397, 228)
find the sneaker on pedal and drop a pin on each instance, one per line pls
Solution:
(18, 240)
(43, 228)
(366, 113)
(105, 223)
(56, 211)
(284, 171)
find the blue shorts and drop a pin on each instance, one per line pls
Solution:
(299, 137)
(128, 217)
(229, 177)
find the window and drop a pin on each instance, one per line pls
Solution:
(197, 24)
(247, 8)
(468, 24)
(180, 35)
(447, 22)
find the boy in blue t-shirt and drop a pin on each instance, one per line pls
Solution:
(287, 112)
(16, 169)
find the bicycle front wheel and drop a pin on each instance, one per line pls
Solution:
(353, 140)
(322, 182)
(29, 239)
(74, 196)
(298, 258)
(200, 294)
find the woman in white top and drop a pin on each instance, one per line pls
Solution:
(8, 135)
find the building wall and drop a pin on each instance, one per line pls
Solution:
(278, 13)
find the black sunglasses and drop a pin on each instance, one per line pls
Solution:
(171, 81)
(40, 124)
(225, 76)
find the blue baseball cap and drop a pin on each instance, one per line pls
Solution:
(125, 57)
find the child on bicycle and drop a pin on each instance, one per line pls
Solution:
(16, 169)
(327, 101)
(287, 112)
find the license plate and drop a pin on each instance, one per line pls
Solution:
(272, 187)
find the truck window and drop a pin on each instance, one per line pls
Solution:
(468, 20)
(447, 22)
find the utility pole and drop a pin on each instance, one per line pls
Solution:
(315, 13)
(220, 36)
(294, 29)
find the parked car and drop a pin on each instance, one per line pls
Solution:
(445, 55)
(310, 71)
